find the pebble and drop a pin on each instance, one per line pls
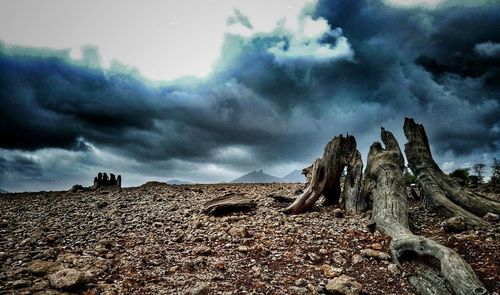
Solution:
(66, 278)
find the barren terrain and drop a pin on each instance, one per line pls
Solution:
(154, 239)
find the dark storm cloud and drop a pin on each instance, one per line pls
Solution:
(438, 66)
(49, 103)
(460, 104)
(21, 163)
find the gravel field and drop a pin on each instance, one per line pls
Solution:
(154, 239)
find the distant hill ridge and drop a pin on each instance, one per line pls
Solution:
(295, 176)
(261, 177)
(3, 191)
(177, 181)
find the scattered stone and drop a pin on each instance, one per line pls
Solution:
(300, 282)
(344, 285)
(77, 187)
(39, 267)
(201, 289)
(243, 249)
(20, 284)
(376, 254)
(337, 213)
(282, 199)
(239, 232)
(102, 204)
(66, 278)
(356, 258)
(455, 224)
(150, 246)
(491, 217)
(393, 269)
(331, 272)
(219, 264)
(202, 250)
(299, 290)
(313, 256)
(196, 224)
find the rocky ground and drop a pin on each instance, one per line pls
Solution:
(154, 239)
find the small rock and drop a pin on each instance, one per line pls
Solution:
(337, 213)
(219, 265)
(376, 254)
(491, 217)
(356, 258)
(20, 284)
(344, 285)
(331, 272)
(39, 267)
(201, 289)
(102, 204)
(393, 269)
(239, 232)
(243, 249)
(300, 282)
(299, 290)
(65, 278)
(377, 246)
(455, 224)
(197, 224)
(76, 187)
(202, 250)
(313, 256)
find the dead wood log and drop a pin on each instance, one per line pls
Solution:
(384, 182)
(325, 175)
(228, 204)
(441, 193)
(354, 202)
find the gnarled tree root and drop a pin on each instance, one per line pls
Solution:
(458, 273)
(384, 182)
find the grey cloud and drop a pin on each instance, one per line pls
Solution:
(488, 49)
(253, 112)
(239, 18)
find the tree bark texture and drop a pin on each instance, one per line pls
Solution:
(442, 194)
(384, 184)
(325, 177)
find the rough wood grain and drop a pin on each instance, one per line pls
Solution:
(442, 194)
(384, 182)
(325, 175)
(228, 204)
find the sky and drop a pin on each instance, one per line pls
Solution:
(205, 91)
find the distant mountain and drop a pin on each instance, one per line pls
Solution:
(3, 191)
(258, 177)
(177, 181)
(295, 176)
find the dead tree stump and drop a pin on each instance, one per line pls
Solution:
(325, 174)
(102, 179)
(384, 183)
(441, 193)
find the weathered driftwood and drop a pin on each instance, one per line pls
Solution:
(384, 183)
(228, 204)
(325, 175)
(441, 193)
